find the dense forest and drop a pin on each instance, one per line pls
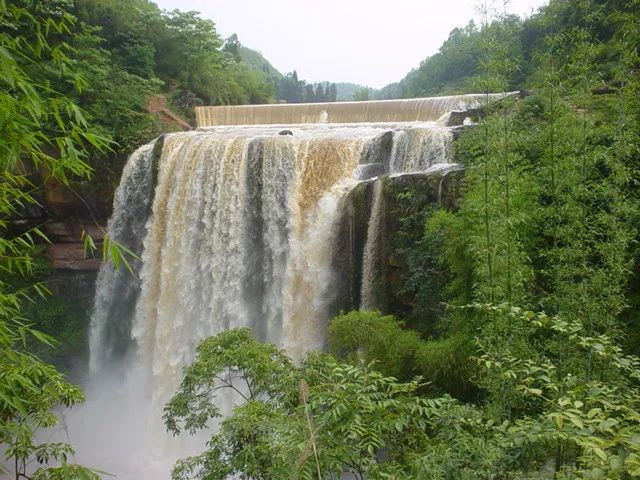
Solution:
(518, 358)
(460, 58)
(293, 90)
(123, 55)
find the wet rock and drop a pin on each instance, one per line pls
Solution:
(350, 242)
(458, 117)
(285, 132)
(71, 232)
(71, 256)
(84, 201)
(378, 150)
(440, 186)
(370, 170)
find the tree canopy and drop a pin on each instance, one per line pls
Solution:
(42, 128)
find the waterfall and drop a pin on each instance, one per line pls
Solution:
(370, 258)
(416, 149)
(117, 289)
(235, 227)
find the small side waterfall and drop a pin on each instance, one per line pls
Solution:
(235, 227)
(416, 149)
(370, 258)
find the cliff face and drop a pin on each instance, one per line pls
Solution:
(64, 215)
(67, 214)
(407, 201)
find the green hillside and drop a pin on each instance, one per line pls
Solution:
(255, 60)
(347, 91)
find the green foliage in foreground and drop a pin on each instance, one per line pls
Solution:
(43, 129)
(65, 319)
(129, 58)
(324, 418)
(369, 338)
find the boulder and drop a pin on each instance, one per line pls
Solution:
(71, 232)
(378, 150)
(370, 170)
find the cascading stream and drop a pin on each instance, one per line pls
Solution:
(416, 149)
(370, 258)
(235, 227)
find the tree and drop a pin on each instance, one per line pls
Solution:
(323, 418)
(320, 95)
(180, 48)
(291, 89)
(129, 28)
(388, 346)
(309, 95)
(318, 420)
(360, 422)
(232, 47)
(30, 389)
(362, 94)
(261, 375)
(332, 96)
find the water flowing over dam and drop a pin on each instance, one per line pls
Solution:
(406, 110)
(237, 226)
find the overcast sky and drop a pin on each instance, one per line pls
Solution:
(370, 42)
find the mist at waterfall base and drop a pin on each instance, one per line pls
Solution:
(235, 227)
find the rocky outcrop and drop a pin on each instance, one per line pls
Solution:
(378, 150)
(439, 187)
(351, 239)
(370, 170)
(65, 215)
(67, 251)
(69, 216)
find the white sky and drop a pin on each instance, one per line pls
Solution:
(370, 42)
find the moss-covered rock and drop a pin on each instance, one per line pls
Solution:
(402, 249)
